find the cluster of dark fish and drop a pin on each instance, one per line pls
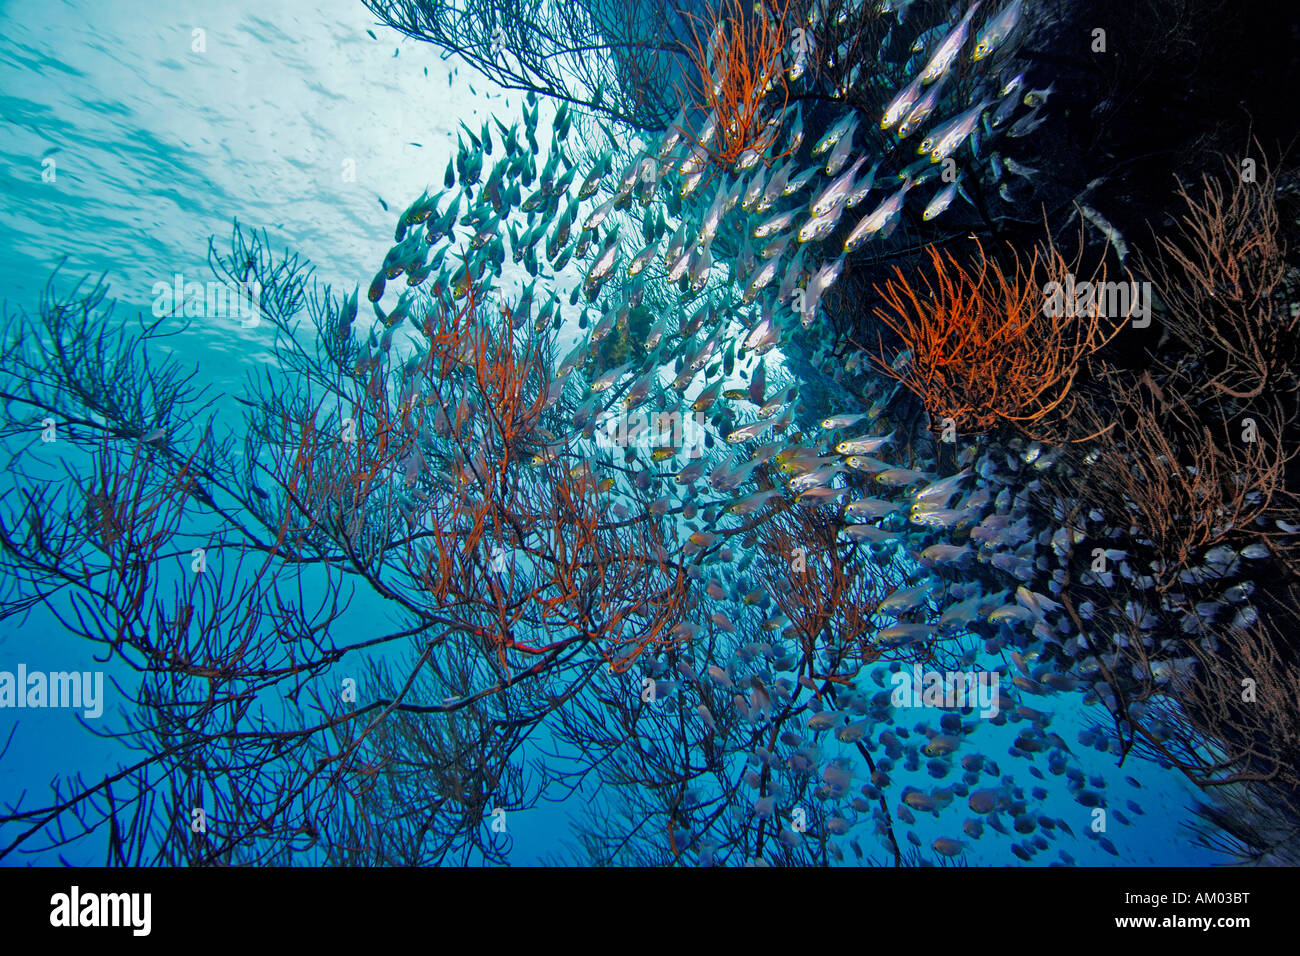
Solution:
(943, 529)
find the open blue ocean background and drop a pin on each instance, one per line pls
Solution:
(157, 147)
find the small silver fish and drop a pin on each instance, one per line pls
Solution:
(862, 188)
(1039, 97)
(901, 104)
(775, 187)
(879, 220)
(749, 432)
(996, 30)
(869, 533)
(943, 554)
(900, 476)
(1009, 105)
(776, 224)
(1027, 123)
(754, 192)
(836, 133)
(1018, 169)
(604, 264)
(905, 633)
(906, 599)
(836, 191)
(840, 154)
(947, 52)
(870, 508)
(641, 259)
(841, 421)
(607, 380)
(942, 200)
(819, 227)
(922, 110)
(598, 215)
(800, 181)
(954, 134)
(865, 445)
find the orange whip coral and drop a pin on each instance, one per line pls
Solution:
(979, 349)
(738, 68)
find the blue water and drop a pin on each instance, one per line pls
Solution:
(157, 147)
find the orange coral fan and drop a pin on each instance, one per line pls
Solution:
(980, 349)
(738, 69)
